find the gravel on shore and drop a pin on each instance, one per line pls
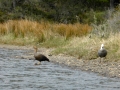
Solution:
(105, 68)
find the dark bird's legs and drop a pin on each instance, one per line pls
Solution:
(102, 59)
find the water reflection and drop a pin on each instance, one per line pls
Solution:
(20, 74)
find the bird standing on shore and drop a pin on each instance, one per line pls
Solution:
(39, 57)
(102, 52)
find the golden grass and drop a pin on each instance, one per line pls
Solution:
(26, 27)
(68, 30)
(40, 32)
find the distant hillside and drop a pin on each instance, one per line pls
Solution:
(63, 11)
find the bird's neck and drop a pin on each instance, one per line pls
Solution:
(101, 48)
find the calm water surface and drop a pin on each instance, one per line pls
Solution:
(22, 74)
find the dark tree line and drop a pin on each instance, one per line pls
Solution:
(64, 11)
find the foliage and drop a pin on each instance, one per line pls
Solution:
(62, 11)
(112, 25)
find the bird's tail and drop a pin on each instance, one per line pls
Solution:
(47, 59)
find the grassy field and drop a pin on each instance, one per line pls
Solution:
(31, 32)
(79, 40)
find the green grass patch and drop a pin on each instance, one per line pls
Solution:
(54, 42)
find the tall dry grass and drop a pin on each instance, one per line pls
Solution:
(42, 31)
(68, 30)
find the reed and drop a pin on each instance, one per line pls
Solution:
(42, 31)
(71, 30)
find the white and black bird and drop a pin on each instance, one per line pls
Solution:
(102, 52)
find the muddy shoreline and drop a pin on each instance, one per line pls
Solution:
(105, 68)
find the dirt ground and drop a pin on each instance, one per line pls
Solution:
(105, 68)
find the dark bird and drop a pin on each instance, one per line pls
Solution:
(39, 57)
(102, 52)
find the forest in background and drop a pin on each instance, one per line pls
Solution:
(61, 11)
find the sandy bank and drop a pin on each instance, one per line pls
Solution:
(105, 68)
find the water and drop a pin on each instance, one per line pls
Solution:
(22, 74)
